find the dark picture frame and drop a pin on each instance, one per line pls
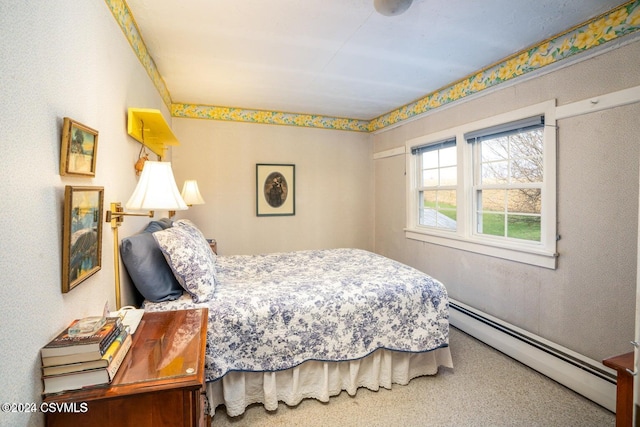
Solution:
(275, 189)
(79, 149)
(81, 234)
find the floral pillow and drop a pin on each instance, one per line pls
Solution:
(190, 258)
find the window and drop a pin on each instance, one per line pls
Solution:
(488, 186)
(437, 184)
(508, 177)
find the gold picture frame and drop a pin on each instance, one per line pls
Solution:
(81, 234)
(79, 149)
(275, 189)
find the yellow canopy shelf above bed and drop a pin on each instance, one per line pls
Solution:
(149, 127)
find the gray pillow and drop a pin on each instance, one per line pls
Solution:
(147, 266)
(161, 224)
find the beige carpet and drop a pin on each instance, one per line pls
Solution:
(486, 388)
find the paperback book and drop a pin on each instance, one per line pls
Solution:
(103, 362)
(92, 345)
(88, 378)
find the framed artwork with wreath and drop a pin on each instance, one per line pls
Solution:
(275, 189)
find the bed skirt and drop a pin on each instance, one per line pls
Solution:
(321, 380)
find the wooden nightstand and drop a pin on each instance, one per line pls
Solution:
(160, 382)
(214, 245)
(623, 364)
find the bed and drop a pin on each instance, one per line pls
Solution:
(287, 326)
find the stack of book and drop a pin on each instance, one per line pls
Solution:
(72, 361)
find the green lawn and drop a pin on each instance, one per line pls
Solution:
(519, 226)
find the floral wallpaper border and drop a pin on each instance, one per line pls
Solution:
(617, 23)
(127, 23)
(614, 24)
(267, 117)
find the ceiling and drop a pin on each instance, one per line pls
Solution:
(338, 58)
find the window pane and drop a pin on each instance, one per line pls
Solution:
(524, 227)
(430, 159)
(448, 176)
(429, 178)
(427, 208)
(438, 209)
(428, 199)
(526, 170)
(444, 221)
(447, 209)
(491, 223)
(527, 144)
(448, 156)
(495, 173)
(495, 149)
(525, 200)
(491, 200)
(433, 218)
(447, 199)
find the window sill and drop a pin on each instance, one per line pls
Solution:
(532, 256)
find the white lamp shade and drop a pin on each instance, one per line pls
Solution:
(191, 194)
(156, 189)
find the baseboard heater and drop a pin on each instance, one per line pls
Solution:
(585, 376)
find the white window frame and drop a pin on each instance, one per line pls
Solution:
(421, 187)
(541, 253)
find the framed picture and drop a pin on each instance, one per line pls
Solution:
(78, 150)
(275, 190)
(81, 234)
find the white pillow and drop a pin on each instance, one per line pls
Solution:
(190, 257)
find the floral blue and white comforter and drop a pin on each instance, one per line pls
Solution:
(274, 311)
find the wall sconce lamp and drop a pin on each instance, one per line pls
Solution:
(156, 190)
(191, 194)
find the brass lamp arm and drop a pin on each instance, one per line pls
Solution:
(116, 214)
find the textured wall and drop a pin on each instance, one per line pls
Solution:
(69, 58)
(334, 185)
(63, 58)
(588, 303)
